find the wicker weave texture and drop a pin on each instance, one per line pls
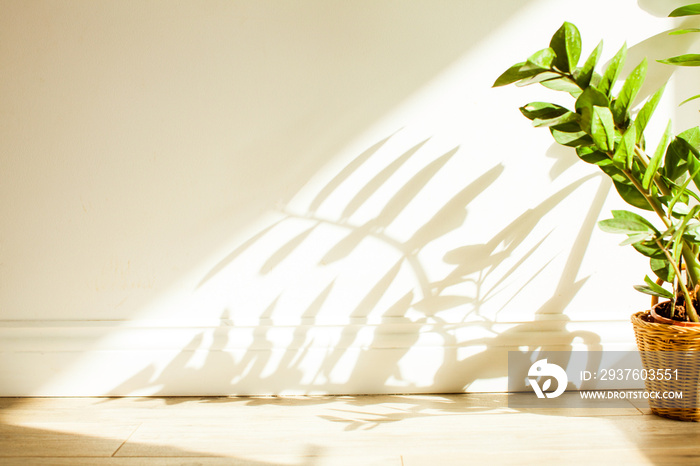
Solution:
(669, 347)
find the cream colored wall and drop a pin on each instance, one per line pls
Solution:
(220, 197)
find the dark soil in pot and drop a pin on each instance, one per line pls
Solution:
(664, 310)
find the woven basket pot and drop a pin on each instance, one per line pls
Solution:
(663, 347)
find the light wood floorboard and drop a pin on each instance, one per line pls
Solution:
(335, 430)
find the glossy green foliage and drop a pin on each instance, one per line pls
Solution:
(629, 91)
(687, 10)
(566, 45)
(690, 59)
(605, 124)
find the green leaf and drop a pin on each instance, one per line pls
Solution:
(548, 114)
(624, 152)
(569, 117)
(542, 110)
(564, 84)
(631, 216)
(694, 167)
(680, 209)
(662, 268)
(612, 72)
(603, 128)
(627, 222)
(590, 154)
(566, 43)
(650, 291)
(635, 238)
(631, 195)
(645, 113)
(570, 138)
(691, 136)
(629, 91)
(515, 73)
(683, 31)
(681, 194)
(687, 218)
(679, 152)
(540, 60)
(693, 230)
(655, 161)
(585, 74)
(589, 98)
(686, 10)
(653, 289)
(690, 59)
(675, 164)
(538, 78)
(615, 174)
(689, 99)
(650, 249)
(613, 225)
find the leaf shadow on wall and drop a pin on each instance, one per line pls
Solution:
(368, 346)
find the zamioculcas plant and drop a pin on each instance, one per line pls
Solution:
(605, 130)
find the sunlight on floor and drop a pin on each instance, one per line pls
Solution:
(326, 430)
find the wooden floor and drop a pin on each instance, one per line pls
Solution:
(348, 430)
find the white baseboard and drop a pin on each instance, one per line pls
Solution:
(391, 355)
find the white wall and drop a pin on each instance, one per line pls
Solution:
(218, 197)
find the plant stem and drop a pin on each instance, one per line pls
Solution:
(689, 308)
(692, 265)
(651, 200)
